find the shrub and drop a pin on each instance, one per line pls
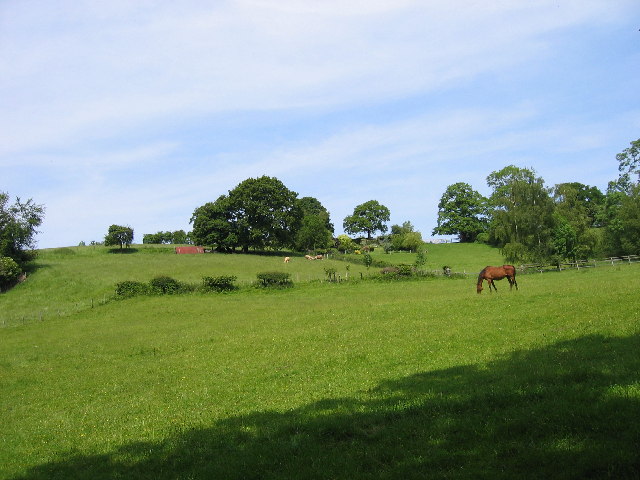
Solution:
(331, 273)
(131, 288)
(406, 270)
(274, 279)
(222, 283)
(9, 273)
(165, 285)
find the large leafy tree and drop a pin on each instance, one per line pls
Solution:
(18, 226)
(629, 164)
(578, 208)
(257, 213)
(265, 212)
(119, 235)
(312, 206)
(629, 223)
(214, 225)
(313, 234)
(461, 211)
(368, 217)
(316, 229)
(521, 214)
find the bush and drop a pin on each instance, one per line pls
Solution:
(165, 285)
(131, 288)
(223, 283)
(9, 273)
(331, 273)
(274, 279)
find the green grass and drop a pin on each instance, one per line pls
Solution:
(366, 380)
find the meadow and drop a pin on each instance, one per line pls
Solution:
(365, 379)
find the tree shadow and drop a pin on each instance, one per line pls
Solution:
(569, 410)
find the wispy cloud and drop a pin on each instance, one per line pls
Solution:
(170, 104)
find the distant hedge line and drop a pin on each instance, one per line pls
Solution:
(164, 285)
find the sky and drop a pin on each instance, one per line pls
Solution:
(136, 113)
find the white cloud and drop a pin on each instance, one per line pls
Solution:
(95, 71)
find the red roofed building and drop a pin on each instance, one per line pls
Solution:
(189, 249)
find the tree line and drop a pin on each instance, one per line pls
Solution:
(530, 222)
(262, 213)
(527, 220)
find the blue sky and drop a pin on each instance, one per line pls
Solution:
(136, 113)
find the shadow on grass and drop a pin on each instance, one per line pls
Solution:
(569, 410)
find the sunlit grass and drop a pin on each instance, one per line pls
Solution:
(366, 380)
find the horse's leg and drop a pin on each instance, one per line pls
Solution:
(491, 284)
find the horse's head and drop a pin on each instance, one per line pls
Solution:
(480, 287)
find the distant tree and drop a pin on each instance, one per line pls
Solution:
(119, 235)
(345, 244)
(312, 206)
(214, 225)
(622, 229)
(404, 237)
(629, 218)
(313, 234)
(521, 214)
(575, 197)
(266, 213)
(18, 224)
(629, 162)
(578, 208)
(179, 236)
(463, 212)
(257, 213)
(368, 217)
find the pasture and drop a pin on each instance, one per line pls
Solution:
(411, 379)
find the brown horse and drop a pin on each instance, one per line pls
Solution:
(497, 273)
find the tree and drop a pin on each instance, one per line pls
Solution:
(577, 209)
(629, 162)
(257, 213)
(368, 217)
(345, 244)
(313, 234)
(312, 206)
(266, 213)
(521, 220)
(461, 211)
(18, 224)
(119, 235)
(214, 225)
(405, 237)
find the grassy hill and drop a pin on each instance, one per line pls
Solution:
(71, 279)
(355, 380)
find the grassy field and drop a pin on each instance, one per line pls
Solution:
(413, 379)
(72, 279)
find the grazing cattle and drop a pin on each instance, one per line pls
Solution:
(497, 273)
(319, 257)
(309, 257)
(286, 259)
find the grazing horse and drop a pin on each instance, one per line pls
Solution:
(497, 273)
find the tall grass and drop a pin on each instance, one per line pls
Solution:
(368, 380)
